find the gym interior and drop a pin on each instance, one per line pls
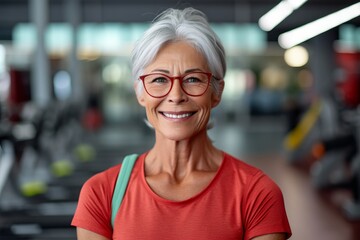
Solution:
(291, 105)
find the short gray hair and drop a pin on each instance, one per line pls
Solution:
(172, 25)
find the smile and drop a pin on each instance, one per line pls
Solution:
(177, 116)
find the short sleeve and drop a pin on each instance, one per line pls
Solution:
(264, 209)
(94, 206)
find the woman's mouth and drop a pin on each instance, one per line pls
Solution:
(177, 115)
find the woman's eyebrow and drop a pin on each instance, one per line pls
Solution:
(161, 70)
(186, 71)
(193, 70)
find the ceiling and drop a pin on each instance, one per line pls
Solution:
(238, 11)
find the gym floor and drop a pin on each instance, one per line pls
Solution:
(312, 214)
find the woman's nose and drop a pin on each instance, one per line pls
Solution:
(176, 93)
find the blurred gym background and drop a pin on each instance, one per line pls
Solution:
(290, 105)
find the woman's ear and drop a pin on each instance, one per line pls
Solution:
(139, 93)
(216, 97)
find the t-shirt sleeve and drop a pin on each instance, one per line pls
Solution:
(94, 206)
(265, 210)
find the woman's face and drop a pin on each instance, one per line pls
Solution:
(178, 116)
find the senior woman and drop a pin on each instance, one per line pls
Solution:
(183, 187)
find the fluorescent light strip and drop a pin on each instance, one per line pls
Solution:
(307, 31)
(277, 14)
(296, 3)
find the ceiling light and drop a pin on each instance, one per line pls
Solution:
(296, 57)
(303, 33)
(279, 13)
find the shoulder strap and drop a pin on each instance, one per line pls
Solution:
(121, 184)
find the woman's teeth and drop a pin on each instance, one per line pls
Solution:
(177, 116)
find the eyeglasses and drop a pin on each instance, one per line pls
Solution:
(159, 85)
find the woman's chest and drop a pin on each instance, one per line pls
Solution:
(214, 214)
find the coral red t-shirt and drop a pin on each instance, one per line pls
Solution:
(241, 202)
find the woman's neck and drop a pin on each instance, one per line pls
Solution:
(181, 158)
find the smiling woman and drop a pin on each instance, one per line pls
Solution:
(183, 187)
(181, 59)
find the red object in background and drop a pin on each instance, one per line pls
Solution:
(349, 87)
(92, 119)
(350, 90)
(19, 92)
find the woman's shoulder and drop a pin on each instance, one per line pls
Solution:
(250, 176)
(247, 173)
(240, 166)
(103, 179)
(107, 178)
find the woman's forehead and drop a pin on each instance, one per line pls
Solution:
(178, 54)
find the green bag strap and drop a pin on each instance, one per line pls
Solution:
(121, 184)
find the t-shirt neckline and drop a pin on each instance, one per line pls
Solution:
(191, 199)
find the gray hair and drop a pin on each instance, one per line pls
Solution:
(188, 25)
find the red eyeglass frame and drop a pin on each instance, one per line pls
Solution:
(172, 79)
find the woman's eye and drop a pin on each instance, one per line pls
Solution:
(160, 80)
(192, 80)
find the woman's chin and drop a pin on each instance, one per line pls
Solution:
(180, 134)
